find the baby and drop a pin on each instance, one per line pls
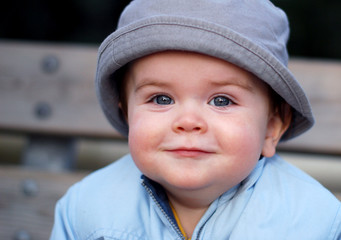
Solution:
(202, 91)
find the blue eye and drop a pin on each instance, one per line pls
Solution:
(162, 100)
(220, 101)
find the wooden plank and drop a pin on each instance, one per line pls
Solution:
(62, 100)
(49, 88)
(321, 81)
(27, 200)
(324, 168)
(28, 197)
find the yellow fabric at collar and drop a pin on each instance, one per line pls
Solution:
(178, 222)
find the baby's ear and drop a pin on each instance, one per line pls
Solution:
(279, 121)
(123, 110)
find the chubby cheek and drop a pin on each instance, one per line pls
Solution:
(243, 142)
(145, 135)
(144, 128)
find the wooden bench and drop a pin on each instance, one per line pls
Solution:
(48, 105)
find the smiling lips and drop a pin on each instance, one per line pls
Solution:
(189, 152)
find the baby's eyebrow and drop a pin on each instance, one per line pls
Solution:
(233, 81)
(148, 83)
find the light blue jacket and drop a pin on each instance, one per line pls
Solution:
(277, 201)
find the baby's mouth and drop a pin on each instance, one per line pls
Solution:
(189, 152)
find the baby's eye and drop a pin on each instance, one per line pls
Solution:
(220, 101)
(162, 100)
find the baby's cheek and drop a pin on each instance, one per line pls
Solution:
(143, 131)
(137, 134)
(144, 140)
(243, 139)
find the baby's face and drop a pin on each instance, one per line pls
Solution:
(195, 122)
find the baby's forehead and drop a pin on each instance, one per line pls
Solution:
(162, 66)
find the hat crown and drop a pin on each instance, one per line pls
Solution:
(241, 16)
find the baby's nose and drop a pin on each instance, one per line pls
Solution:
(190, 121)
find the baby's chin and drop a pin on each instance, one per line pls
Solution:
(194, 189)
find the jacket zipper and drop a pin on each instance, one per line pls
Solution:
(175, 227)
(202, 226)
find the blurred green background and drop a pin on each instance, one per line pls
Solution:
(315, 24)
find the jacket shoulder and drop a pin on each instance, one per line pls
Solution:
(295, 202)
(105, 198)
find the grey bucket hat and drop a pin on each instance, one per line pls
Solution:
(251, 34)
